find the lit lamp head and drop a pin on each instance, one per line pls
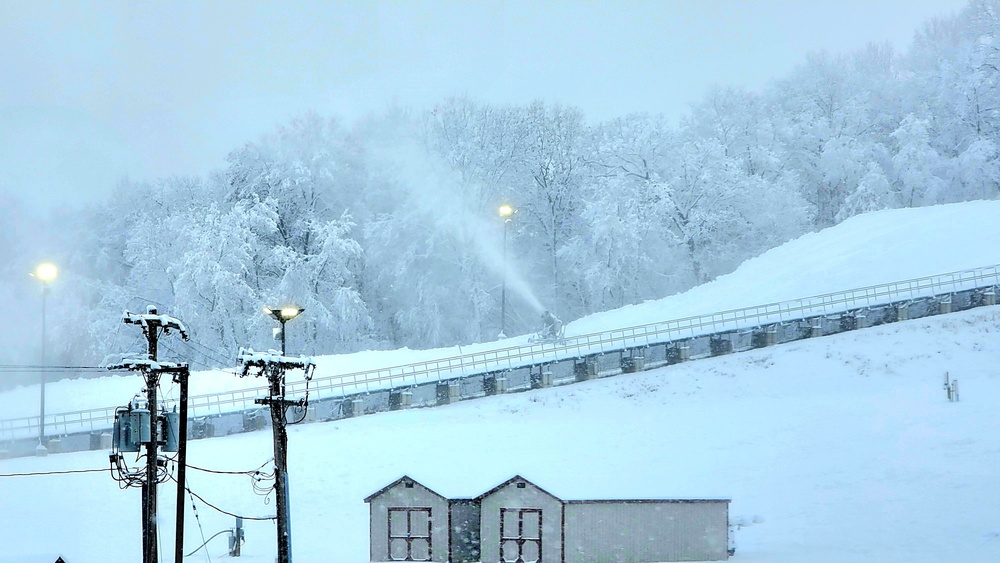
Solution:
(506, 211)
(289, 313)
(283, 314)
(46, 272)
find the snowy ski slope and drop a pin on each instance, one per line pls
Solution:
(842, 449)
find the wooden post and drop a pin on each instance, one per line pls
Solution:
(182, 379)
(150, 554)
(277, 405)
(274, 369)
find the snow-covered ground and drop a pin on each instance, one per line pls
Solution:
(844, 449)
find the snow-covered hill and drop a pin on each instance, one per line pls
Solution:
(866, 250)
(843, 449)
(870, 249)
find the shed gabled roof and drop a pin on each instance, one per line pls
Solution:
(514, 479)
(651, 501)
(402, 480)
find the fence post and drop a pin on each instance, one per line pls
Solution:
(861, 319)
(903, 311)
(771, 335)
(944, 305)
(816, 327)
(990, 296)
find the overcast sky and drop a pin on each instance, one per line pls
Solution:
(91, 92)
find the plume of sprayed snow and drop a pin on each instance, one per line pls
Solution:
(436, 193)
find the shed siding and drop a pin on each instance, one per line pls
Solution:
(465, 517)
(649, 531)
(402, 497)
(529, 497)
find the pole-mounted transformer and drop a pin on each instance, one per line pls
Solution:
(147, 432)
(131, 429)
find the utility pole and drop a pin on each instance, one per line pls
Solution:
(506, 212)
(46, 273)
(152, 324)
(273, 366)
(181, 378)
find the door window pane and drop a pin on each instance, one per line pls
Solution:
(397, 549)
(420, 523)
(531, 524)
(509, 550)
(510, 523)
(397, 523)
(420, 550)
(531, 551)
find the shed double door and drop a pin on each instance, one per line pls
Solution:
(520, 535)
(410, 534)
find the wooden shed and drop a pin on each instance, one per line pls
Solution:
(636, 531)
(519, 522)
(409, 522)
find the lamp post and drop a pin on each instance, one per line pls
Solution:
(506, 212)
(277, 405)
(44, 272)
(283, 315)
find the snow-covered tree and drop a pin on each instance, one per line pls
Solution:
(915, 164)
(306, 175)
(387, 231)
(872, 194)
(621, 256)
(220, 275)
(975, 173)
(550, 190)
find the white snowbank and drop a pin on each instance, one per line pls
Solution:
(844, 449)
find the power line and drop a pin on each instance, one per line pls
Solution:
(145, 301)
(194, 508)
(195, 362)
(210, 353)
(178, 355)
(251, 472)
(216, 508)
(224, 472)
(206, 542)
(41, 473)
(205, 352)
(132, 345)
(261, 481)
(36, 367)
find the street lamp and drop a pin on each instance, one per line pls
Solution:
(44, 272)
(506, 212)
(283, 315)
